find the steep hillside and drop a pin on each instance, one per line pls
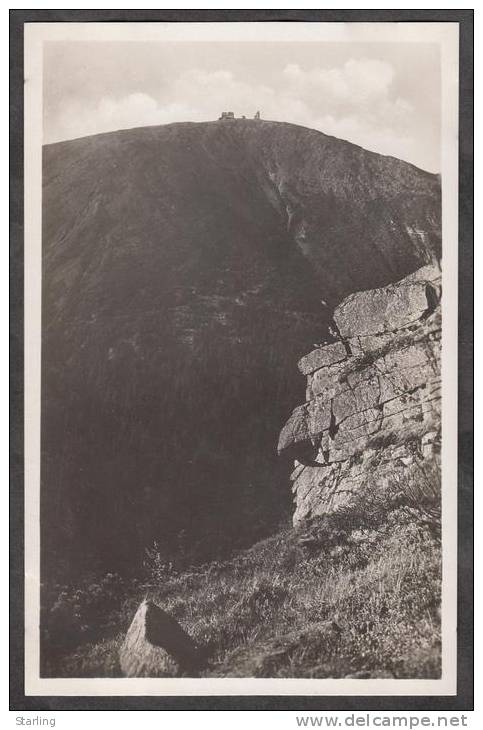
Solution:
(354, 597)
(354, 588)
(183, 268)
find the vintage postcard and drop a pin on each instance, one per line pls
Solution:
(241, 262)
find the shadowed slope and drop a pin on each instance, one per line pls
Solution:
(182, 275)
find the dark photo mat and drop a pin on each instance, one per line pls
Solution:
(463, 700)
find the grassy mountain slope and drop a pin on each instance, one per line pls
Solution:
(183, 268)
(337, 600)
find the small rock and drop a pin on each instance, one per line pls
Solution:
(157, 646)
(430, 272)
(296, 429)
(322, 357)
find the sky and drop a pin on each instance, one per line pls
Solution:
(382, 96)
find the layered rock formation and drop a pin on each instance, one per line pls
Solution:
(371, 420)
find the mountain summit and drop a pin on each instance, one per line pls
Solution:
(183, 272)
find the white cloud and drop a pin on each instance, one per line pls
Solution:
(353, 101)
(355, 82)
(134, 110)
(381, 139)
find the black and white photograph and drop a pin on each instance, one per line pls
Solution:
(241, 285)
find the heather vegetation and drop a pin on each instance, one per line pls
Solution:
(183, 274)
(348, 595)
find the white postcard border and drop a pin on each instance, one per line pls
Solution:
(444, 34)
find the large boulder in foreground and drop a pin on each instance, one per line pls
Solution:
(157, 646)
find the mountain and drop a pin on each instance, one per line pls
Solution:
(183, 272)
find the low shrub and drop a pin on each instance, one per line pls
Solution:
(380, 585)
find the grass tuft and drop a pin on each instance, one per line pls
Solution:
(355, 600)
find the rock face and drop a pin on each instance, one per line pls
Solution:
(157, 646)
(373, 403)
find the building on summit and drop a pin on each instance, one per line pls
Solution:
(231, 116)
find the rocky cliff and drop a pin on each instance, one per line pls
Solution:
(370, 426)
